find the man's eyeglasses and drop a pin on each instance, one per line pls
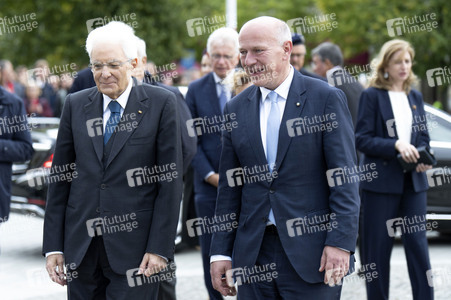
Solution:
(219, 56)
(115, 65)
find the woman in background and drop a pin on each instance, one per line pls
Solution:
(390, 114)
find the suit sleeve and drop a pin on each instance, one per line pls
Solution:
(200, 161)
(19, 147)
(167, 203)
(229, 198)
(189, 143)
(339, 151)
(367, 139)
(58, 192)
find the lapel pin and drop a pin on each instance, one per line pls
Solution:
(414, 107)
(298, 104)
(140, 112)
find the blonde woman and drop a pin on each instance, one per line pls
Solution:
(390, 113)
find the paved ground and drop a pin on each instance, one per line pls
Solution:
(23, 277)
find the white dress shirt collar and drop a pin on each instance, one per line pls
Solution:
(122, 99)
(217, 78)
(283, 89)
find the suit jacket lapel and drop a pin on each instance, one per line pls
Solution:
(94, 110)
(386, 109)
(252, 123)
(415, 118)
(293, 108)
(134, 111)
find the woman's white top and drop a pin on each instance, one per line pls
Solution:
(403, 115)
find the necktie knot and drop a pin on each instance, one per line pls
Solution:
(272, 96)
(114, 107)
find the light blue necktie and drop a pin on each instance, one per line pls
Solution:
(272, 137)
(222, 97)
(115, 116)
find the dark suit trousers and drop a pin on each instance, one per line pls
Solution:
(377, 244)
(286, 284)
(95, 280)
(205, 207)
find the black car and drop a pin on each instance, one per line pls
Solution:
(439, 194)
(27, 194)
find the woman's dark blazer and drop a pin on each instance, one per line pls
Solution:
(376, 136)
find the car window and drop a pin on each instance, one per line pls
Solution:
(439, 129)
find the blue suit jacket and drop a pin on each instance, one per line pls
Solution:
(301, 187)
(202, 100)
(376, 137)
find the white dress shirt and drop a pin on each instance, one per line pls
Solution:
(265, 106)
(122, 100)
(403, 115)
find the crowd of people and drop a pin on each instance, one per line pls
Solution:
(254, 79)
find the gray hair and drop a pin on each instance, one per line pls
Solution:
(141, 45)
(223, 35)
(329, 51)
(117, 33)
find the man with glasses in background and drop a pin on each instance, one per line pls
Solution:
(206, 98)
(297, 57)
(112, 227)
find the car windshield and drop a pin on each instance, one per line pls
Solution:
(439, 129)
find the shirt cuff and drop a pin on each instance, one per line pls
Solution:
(167, 260)
(343, 249)
(208, 175)
(214, 258)
(53, 252)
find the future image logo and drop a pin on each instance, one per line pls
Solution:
(438, 176)
(408, 25)
(313, 24)
(438, 76)
(205, 25)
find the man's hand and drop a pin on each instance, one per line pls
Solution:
(336, 263)
(225, 286)
(408, 152)
(213, 179)
(151, 264)
(55, 267)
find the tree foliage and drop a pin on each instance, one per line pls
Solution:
(62, 29)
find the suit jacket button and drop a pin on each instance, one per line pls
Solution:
(98, 210)
(271, 191)
(103, 186)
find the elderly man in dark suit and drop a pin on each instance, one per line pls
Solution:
(206, 98)
(116, 221)
(275, 176)
(15, 144)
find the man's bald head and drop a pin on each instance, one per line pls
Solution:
(265, 48)
(273, 27)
